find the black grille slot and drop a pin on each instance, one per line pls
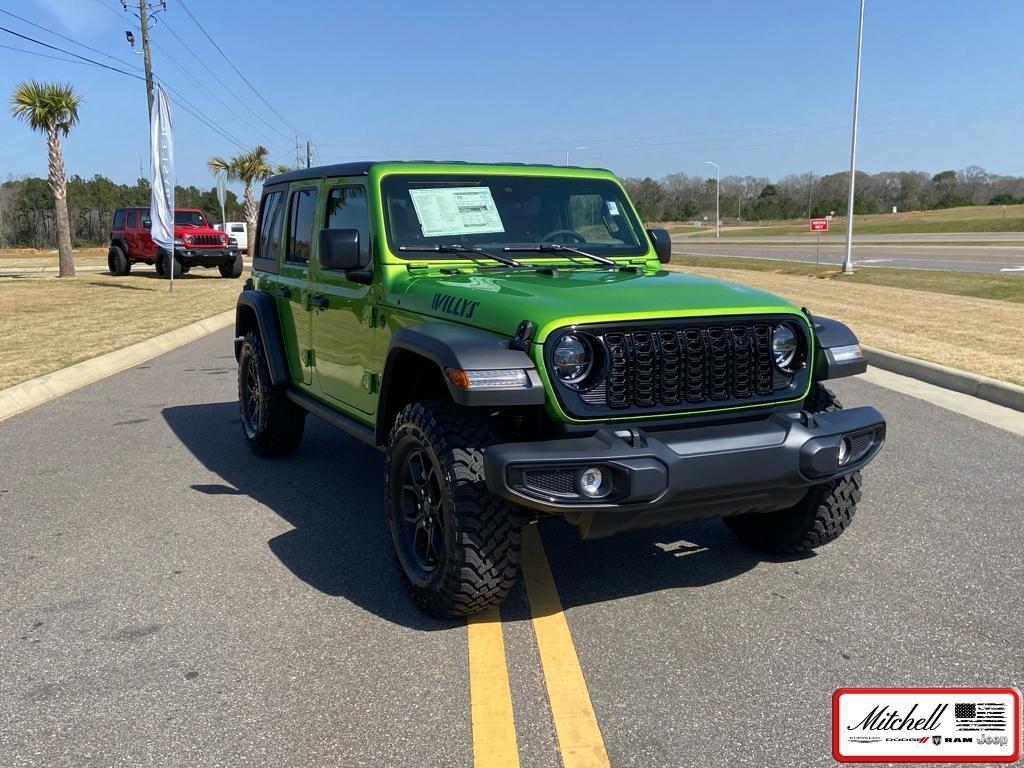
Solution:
(558, 482)
(686, 365)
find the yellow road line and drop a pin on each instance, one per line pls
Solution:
(579, 737)
(494, 730)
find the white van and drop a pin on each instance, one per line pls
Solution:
(237, 230)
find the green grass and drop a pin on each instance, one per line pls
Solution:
(974, 218)
(972, 284)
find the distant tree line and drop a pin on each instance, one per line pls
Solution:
(679, 197)
(27, 212)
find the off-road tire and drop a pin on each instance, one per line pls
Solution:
(480, 533)
(232, 268)
(161, 265)
(117, 263)
(820, 517)
(275, 429)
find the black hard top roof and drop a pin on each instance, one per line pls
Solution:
(363, 167)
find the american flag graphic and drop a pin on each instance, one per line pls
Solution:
(980, 716)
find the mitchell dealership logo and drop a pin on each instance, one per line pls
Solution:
(891, 725)
(883, 718)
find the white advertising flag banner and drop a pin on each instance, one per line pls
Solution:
(161, 146)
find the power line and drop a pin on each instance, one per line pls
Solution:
(199, 83)
(41, 55)
(224, 85)
(93, 62)
(69, 53)
(65, 37)
(237, 71)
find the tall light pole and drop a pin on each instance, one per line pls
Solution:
(575, 149)
(848, 261)
(718, 184)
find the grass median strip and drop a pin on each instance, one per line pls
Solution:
(579, 736)
(972, 218)
(50, 323)
(980, 335)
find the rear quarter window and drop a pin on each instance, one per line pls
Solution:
(118, 220)
(267, 250)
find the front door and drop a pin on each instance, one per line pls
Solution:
(293, 284)
(147, 246)
(344, 336)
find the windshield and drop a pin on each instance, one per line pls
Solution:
(485, 211)
(189, 219)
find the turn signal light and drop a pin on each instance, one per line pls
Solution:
(498, 378)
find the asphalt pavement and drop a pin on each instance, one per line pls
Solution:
(997, 259)
(170, 600)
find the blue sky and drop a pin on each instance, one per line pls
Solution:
(650, 88)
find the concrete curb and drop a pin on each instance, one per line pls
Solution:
(29, 394)
(995, 391)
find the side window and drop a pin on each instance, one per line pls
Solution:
(271, 218)
(118, 219)
(131, 220)
(346, 209)
(147, 223)
(241, 227)
(300, 225)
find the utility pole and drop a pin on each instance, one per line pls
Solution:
(298, 153)
(147, 62)
(309, 154)
(144, 16)
(848, 261)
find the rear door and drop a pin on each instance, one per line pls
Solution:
(131, 233)
(294, 287)
(344, 327)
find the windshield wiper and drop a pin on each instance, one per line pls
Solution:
(456, 248)
(558, 247)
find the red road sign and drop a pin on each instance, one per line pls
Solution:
(819, 225)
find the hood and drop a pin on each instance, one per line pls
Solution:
(499, 301)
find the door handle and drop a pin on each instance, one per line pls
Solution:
(320, 302)
(284, 293)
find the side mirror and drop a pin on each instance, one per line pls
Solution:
(662, 244)
(339, 249)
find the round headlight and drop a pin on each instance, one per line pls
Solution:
(572, 358)
(784, 346)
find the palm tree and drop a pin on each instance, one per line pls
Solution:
(52, 108)
(249, 168)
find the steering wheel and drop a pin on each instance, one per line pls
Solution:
(549, 237)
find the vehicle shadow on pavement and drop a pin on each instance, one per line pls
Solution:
(682, 556)
(330, 490)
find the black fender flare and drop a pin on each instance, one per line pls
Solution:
(263, 308)
(450, 345)
(830, 334)
(120, 243)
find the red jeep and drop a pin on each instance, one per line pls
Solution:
(196, 244)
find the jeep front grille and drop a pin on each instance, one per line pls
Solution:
(205, 240)
(682, 365)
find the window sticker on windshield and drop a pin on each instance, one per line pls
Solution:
(613, 209)
(456, 211)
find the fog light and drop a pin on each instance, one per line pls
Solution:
(843, 454)
(591, 482)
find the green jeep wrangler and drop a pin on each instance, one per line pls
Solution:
(508, 336)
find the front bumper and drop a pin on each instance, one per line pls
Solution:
(685, 474)
(205, 257)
